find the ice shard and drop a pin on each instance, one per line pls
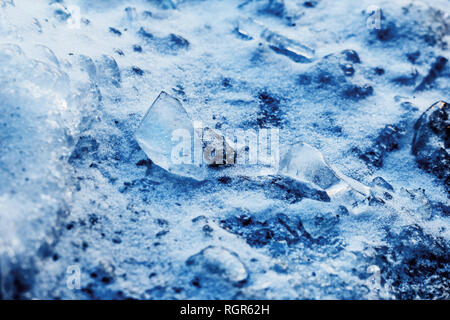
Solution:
(45, 54)
(166, 134)
(292, 49)
(219, 262)
(108, 71)
(248, 29)
(307, 164)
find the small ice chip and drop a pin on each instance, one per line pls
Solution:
(167, 136)
(305, 163)
(45, 54)
(249, 29)
(292, 49)
(220, 262)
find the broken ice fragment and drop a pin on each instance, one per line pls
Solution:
(249, 29)
(288, 47)
(380, 182)
(249, 26)
(307, 164)
(164, 44)
(88, 66)
(242, 34)
(219, 262)
(46, 55)
(108, 71)
(165, 135)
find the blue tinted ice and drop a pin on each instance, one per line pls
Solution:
(166, 134)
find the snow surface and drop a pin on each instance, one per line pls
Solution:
(77, 190)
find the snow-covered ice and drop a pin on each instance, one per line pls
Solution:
(88, 182)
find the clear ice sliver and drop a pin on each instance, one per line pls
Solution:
(292, 49)
(219, 262)
(307, 164)
(248, 29)
(172, 141)
(35, 114)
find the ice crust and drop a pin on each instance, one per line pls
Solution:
(155, 137)
(80, 188)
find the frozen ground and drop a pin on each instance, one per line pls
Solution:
(78, 193)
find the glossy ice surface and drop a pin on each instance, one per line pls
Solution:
(92, 208)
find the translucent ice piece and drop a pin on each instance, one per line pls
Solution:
(166, 134)
(288, 47)
(45, 54)
(307, 164)
(219, 262)
(108, 71)
(249, 29)
(87, 65)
